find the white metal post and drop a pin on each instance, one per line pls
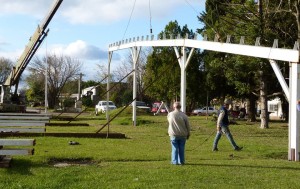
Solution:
(108, 87)
(183, 80)
(295, 121)
(46, 84)
(135, 55)
(183, 63)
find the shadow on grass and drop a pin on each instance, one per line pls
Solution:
(244, 166)
(21, 167)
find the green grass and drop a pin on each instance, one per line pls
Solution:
(142, 160)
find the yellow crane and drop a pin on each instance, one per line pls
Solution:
(8, 101)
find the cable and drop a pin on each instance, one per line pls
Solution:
(150, 17)
(191, 6)
(129, 19)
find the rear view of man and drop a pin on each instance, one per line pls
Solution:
(179, 132)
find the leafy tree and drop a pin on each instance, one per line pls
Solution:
(5, 69)
(246, 18)
(163, 72)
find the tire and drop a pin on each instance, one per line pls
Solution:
(96, 112)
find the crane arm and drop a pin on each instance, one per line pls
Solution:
(34, 42)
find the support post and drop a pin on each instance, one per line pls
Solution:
(183, 63)
(294, 122)
(110, 53)
(135, 51)
(280, 78)
(46, 85)
(79, 87)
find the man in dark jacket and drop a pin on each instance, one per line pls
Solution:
(223, 127)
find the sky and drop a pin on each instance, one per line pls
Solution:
(83, 29)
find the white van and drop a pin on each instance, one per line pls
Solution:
(102, 106)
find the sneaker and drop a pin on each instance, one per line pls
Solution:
(238, 148)
(215, 149)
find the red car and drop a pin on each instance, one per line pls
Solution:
(156, 105)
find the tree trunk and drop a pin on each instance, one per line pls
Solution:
(264, 115)
(251, 108)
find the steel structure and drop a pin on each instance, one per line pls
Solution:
(273, 54)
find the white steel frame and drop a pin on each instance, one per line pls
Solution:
(271, 53)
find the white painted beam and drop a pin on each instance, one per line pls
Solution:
(289, 55)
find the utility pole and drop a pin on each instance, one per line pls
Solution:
(79, 86)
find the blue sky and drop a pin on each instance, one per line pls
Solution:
(83, 29)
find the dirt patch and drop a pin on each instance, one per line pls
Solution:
(66, 162)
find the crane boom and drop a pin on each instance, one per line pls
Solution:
(34, 42)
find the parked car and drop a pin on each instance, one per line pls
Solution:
(142, 105)
(204, 111)
(102, 105)
(155, 107)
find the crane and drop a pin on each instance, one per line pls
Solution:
(8, 101)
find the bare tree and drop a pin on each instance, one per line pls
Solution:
(60, 70)
(127, 66)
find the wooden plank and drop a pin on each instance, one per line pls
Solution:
(23, 130)
(28, 124)
(9, 152)
(17, 142)
(25, 114)
(24, 118)
(23, 121)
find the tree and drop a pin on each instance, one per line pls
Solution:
(60, 70)
(230, 74)
(127, 67)
(6, 66)
(245, 18)
(163, 72)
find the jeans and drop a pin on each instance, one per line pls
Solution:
(178, 145)
(226, 131)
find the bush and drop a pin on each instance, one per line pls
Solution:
(68, 102)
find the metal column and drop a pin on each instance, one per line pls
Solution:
(294, 122)
(183, 63)
(135, 51)
(108, 88)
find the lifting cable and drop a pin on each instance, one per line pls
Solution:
(56, 117)
(150, 17)
(129, 19)
(150, 84)
(103, 93)
(86, 106)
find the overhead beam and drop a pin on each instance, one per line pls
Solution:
(289, 55)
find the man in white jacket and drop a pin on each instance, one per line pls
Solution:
(179, 131)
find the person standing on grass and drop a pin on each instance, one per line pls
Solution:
(223, 127)
(179, 132)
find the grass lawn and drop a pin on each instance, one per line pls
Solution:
(142, 160)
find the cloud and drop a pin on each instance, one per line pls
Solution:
(103, 11)
(80, 50)
(97, 11)
(25, 7)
